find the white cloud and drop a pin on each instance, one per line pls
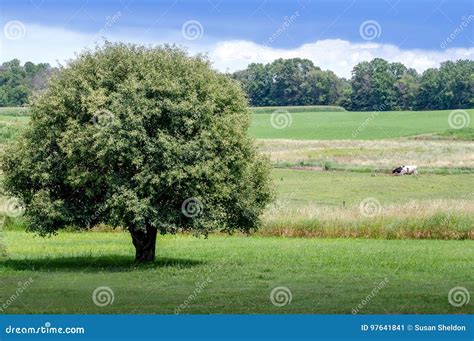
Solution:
(49, 44)
(332, 54)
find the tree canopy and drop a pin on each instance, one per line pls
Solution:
(290, 82)
(148, 139)
(18, 82)
(374, 85)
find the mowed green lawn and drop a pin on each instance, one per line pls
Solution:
(235, 274)
(342, 125)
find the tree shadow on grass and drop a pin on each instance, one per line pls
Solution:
(112, 263)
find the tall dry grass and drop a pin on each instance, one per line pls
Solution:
(377, 153)
(437, 219)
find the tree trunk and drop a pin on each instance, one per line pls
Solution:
(144, 242)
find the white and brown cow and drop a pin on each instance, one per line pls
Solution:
(405, 170)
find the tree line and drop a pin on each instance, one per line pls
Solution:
(18, 82)
(374, 85)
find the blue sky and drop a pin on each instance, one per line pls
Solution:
(265, 29)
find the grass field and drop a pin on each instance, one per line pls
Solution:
(438, 156)
(236, 274)
(332, 124)
(332, 188)
(411, 237)
(351, 125)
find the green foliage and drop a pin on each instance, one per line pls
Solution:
(450, 86)
(290, 82)
(380, 85)
(375, 85)
(7, 132)
(125, 134)
(18, 82)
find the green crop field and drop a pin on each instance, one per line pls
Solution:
(333, 124)
(350, 125)
(340, 226)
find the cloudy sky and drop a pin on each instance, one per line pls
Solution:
(335, 35)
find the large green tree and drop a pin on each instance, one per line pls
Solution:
(294, 81)
(451, 86)
(380, 85)
(148, 139)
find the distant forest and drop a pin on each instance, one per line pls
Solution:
(18, 82)
(375, 85)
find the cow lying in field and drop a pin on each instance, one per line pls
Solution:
(403, 170)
